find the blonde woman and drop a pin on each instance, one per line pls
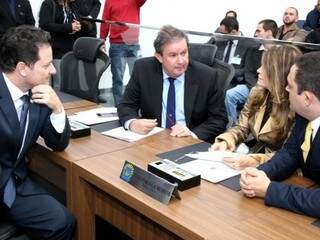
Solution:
(266, 114)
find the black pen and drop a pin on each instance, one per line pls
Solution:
(107, 114)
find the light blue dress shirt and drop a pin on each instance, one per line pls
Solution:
(179, 89)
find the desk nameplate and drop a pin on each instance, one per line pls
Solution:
(149, 183)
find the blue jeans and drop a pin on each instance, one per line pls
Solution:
(120, 55)
(235, 97)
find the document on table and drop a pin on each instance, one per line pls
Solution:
(95, 116)
(129, 136)
(210, 165)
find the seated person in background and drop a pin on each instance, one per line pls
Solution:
(266, 114)
(230, 13)
(236, 96)
(312, 20)
(171, 92)
(289, 31)
(301, 150)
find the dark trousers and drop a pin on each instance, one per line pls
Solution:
(41, 216)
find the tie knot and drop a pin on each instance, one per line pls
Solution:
(230, 42)
(25, 98)
(171, 80)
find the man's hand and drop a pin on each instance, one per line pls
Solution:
(44, 94)
(142, 126)
(180, 131)
(254, 182)
(219, 146)
(240, 162)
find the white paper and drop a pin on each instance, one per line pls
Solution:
(209, 170)
(213, 156)
(129, 136)
(91, 117)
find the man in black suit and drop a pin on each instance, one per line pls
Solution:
(238, 94)
(169, 91)
(25, 69)
(14, 13)
(301, 151)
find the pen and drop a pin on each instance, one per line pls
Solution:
(107, 114)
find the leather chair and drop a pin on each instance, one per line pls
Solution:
(81, 69)
(205, 53)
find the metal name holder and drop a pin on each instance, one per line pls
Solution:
(149, 183)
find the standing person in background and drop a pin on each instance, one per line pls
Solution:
(124, 41)
(313, 18)
(14, 13)
(91, 9)
(61, 19)
(290, 31)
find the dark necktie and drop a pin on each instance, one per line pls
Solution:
(12, 5)
(24, 111)
(171, 105)
(229, 46)
(10, 189)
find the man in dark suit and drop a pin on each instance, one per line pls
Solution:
(25, 69)
(238, 94)
(301, 149)
(14, 13)
(171, 92)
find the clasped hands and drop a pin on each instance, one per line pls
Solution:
(144, 126)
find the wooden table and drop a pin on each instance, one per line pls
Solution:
(56, 167)
(209, 211)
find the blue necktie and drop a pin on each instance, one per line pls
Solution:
(229, 46)
(10, 189)
(171, 105)
(12, 5)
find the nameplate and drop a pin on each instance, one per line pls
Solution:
(149, 183)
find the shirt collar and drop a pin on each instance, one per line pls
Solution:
(15, 92)
(315, 125)
(179, 79)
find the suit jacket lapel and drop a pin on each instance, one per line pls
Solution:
(7, 107)
(156, 94)
(190, 93)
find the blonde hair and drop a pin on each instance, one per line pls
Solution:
(276, 62)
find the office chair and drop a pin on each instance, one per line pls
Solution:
(205, 53)
(81, 69)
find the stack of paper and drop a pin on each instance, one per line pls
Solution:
(210, 165)
(129, 136)
(96, 116)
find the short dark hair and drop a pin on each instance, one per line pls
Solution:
(269, 24)
(166, 35)
(230, 24)
(308, 73)
(232, 12)
(21, 44)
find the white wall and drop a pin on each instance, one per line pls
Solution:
(205, 15)
(202, 15)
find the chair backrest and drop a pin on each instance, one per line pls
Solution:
(202, 52)
(205, 53)
(300, 23)
(81, 69)
(225, 73)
